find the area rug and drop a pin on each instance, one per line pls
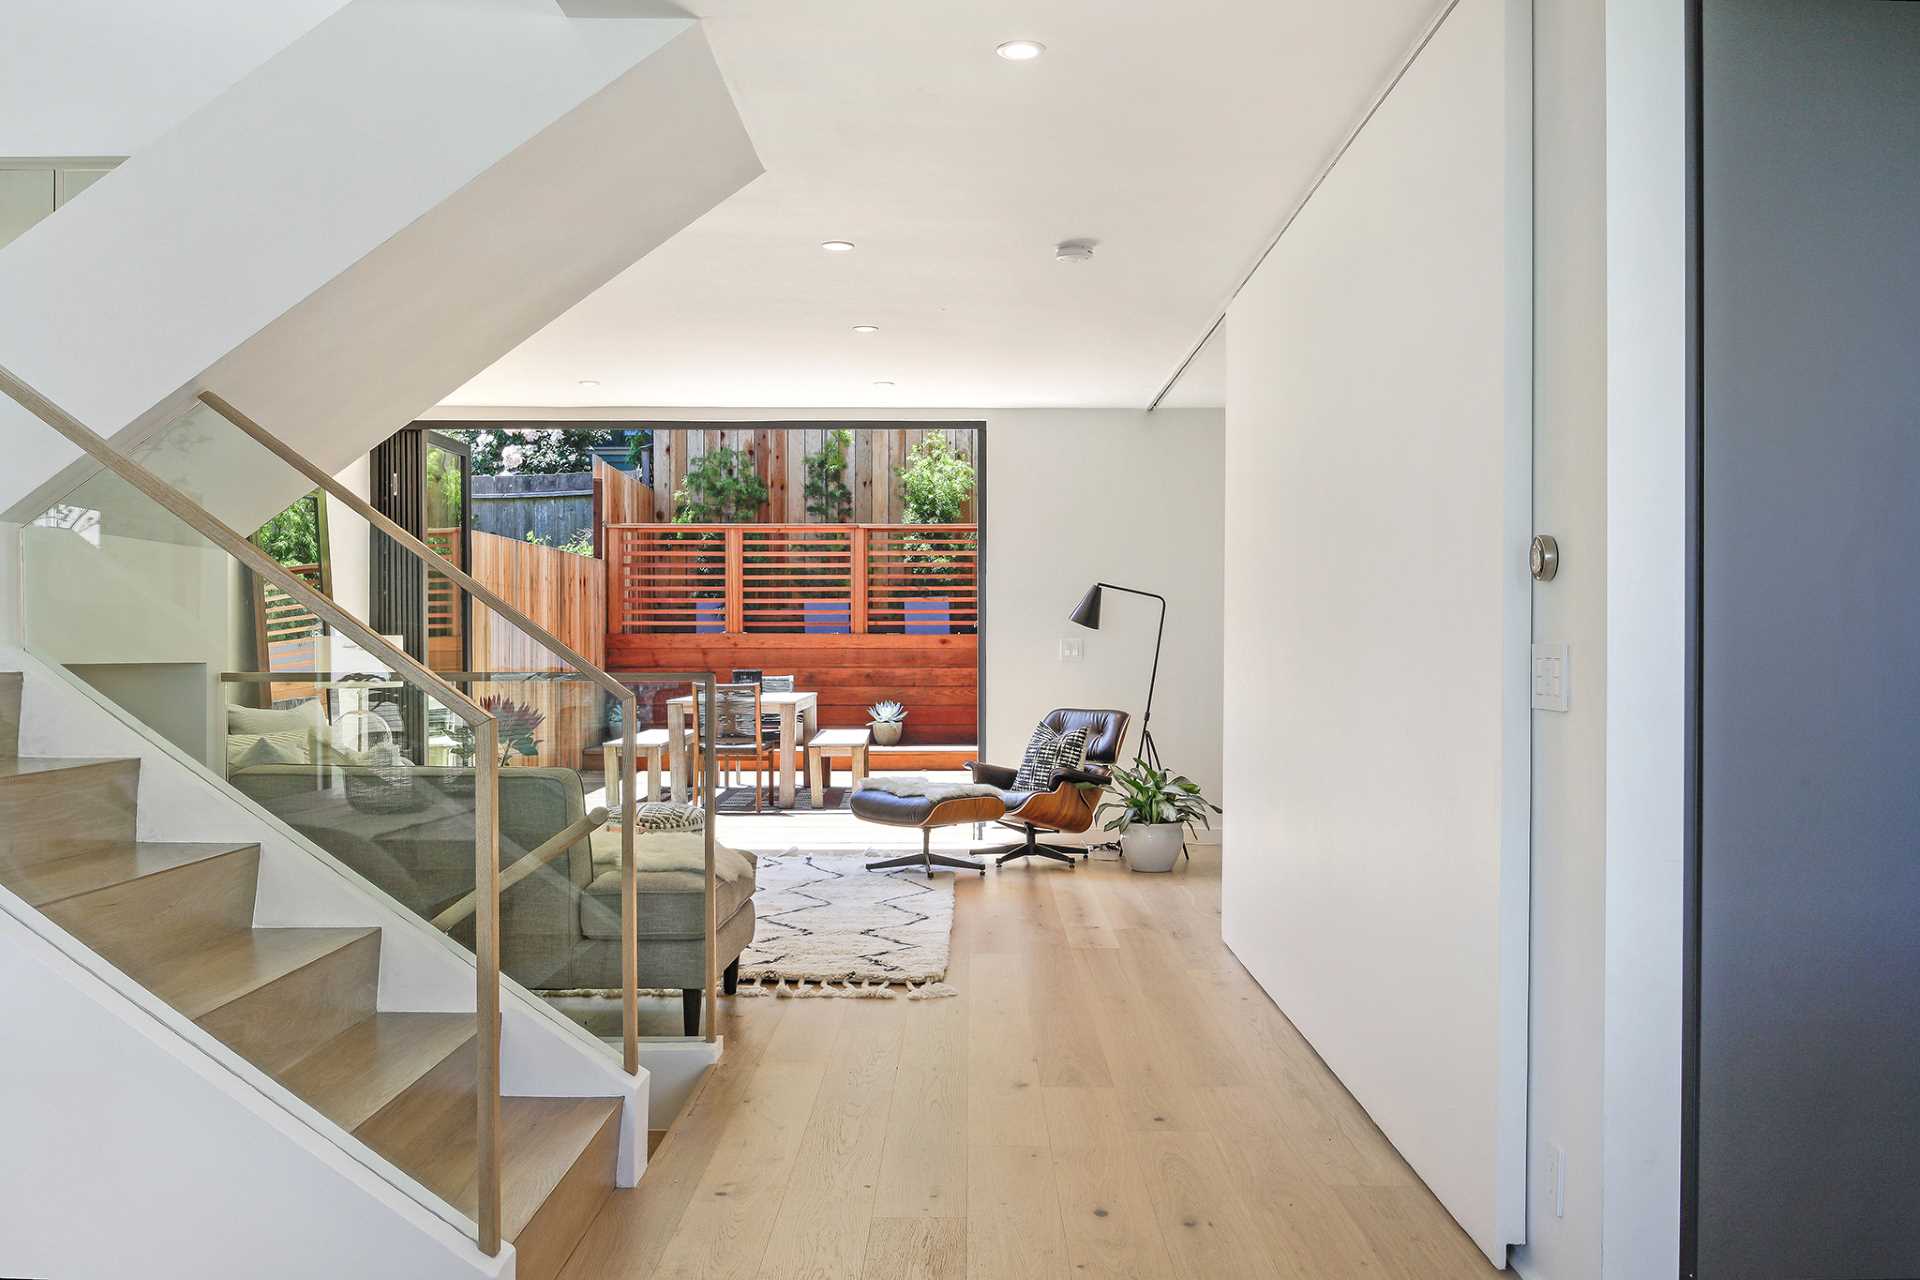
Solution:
(827, 926)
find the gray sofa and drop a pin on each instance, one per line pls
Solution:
(409, 830)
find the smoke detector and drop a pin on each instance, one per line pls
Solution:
(1073, 251)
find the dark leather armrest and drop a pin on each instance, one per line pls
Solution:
(1092, 777)
(993, 775)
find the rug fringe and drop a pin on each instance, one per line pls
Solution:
(932, 991)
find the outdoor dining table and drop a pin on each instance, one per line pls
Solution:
(799, 721)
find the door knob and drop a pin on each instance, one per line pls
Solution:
(1543, 557)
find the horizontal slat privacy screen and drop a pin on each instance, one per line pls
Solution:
(807, 579)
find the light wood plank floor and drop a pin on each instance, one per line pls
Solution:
(1110, 1096)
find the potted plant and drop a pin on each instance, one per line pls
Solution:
(1156, 809)
(889, 719)
(519, 726)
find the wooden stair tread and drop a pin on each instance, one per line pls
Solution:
(352, 1076)
(540, 1138)
(198, 983)
(25, 766)
(45, 883)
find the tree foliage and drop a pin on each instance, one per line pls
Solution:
(721, 488)
(580, 544)
(935, 482)
(542, 451)
(829, 498)
(293, 536)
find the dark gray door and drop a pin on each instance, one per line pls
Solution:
(1808, 789)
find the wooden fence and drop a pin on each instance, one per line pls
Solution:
(288, 635)
(566, 594)
(808, 579)
(446, 619)
(618, 498)
(935, 677)
(779, 457)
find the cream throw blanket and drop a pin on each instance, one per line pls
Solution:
(671, 851)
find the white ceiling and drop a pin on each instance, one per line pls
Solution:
(1176, 135)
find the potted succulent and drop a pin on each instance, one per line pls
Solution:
(1156, 810)
(889, 719)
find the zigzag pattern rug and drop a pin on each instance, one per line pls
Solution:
(824, 918)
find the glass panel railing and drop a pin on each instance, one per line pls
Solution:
(642, 955)
(510, 623)
(235, 656)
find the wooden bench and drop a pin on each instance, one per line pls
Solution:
(824, 746)
(652, 743)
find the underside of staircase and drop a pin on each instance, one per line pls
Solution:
(298, 1003)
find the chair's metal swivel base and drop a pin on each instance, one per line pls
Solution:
(928, 859)
(1032, 848)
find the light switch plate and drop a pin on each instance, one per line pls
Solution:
(1552, 677)
(1072, 648)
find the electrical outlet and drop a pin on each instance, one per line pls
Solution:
(1556, 1179)
(1071, 648)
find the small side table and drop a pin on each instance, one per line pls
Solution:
(825, 745)
(651, 743)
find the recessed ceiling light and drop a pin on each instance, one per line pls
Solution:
(588, 382)
(1021, 50)
(837, 246)
(866, 328)
(1073, 251)
(882, 385)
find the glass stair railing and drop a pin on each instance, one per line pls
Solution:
(569, 916)
(136, 587)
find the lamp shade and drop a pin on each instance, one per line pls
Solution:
(1087, 612)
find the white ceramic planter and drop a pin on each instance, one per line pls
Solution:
(1151, 848)
(885, 735)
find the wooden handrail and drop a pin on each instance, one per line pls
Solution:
(552, 847)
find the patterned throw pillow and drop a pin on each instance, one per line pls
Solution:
(654, 816)
(1046, 752)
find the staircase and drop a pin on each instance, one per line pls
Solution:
(298, 1003)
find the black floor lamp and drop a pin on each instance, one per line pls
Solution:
(1087, 614)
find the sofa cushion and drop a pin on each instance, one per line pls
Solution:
(917, 802)
(309, 716)
(671, 904)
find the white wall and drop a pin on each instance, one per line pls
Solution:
(1073, 496)
(1569, 749)
(1646, 633)
(1378, 427)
